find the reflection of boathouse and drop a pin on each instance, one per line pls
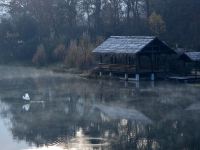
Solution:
(133, 57)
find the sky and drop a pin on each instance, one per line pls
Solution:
(3, 9)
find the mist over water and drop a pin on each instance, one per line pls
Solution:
(67, 112)
(10, 72)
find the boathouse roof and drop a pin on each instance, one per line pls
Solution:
(192, 56)
(127, 44)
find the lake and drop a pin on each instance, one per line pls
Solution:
(67, 112)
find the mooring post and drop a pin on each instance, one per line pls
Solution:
(110, 74)
(152, 77)
(126, 76)
(100, 74)
(137, 77)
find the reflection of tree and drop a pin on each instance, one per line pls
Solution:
(70, 106)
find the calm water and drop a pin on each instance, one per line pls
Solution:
(71, 113)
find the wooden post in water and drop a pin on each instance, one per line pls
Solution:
(100, 74)
(152, 76)
(137, 77)
(126, 76)
(110, 74)
(152, 84)
(137, 84)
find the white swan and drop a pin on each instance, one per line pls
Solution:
(26, 97)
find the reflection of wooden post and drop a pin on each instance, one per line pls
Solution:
(152, 84)
(137, 84)
(125, 84)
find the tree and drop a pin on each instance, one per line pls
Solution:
(40, 57)
(97, 16)
(79, 53)
(157, 25)
(52, 22)
(59, 52)
(72, 59)
(86, 48)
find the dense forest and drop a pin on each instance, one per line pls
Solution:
(46, 31)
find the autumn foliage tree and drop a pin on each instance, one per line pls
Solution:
(40, 57)
(86, 51)
(72, 58)
(59, 52)
(79, 53)
(157, 24)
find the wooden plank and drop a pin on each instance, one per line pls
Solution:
(185, 78)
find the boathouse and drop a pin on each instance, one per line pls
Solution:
(133, 57)
(191, 61)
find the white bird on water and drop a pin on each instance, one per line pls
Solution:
(26, 97)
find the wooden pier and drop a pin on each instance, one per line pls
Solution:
(188, 79)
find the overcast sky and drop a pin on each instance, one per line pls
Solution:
(3, 9)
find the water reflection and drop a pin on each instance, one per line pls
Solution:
(87, 114)
(194, 106)
(79, 142)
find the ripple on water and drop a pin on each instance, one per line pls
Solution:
(89, 142)
(81, 141)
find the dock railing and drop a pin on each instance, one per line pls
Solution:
(117, 68)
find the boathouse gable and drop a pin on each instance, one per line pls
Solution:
(157, 46)
(132, 45)
(192, 62)
(191, 56)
